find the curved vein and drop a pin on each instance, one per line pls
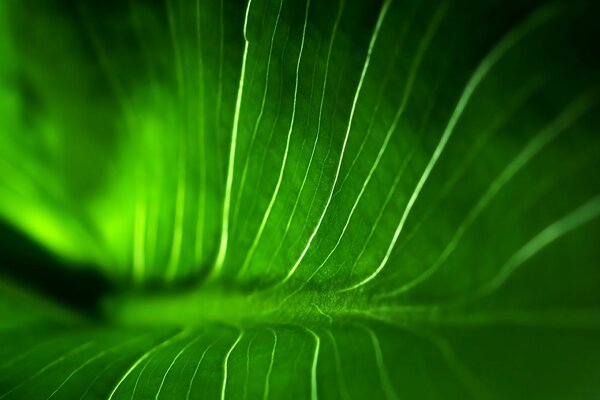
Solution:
(48, 366)
(315, 361)
(273, 126)
(474, 386)
(575, 219)
(374, 36)
(260, 115)
(225, 363)
(267, 214)
(405, 97)
(189, 391)
(98, 375)
(297, 201)
(88, 362)
(222, 252)
(247, 372)
(179, 354)
(314, 147)
(383, 89)
(491, 129)
(270, 369)
(388, 388)
(143, 358)
(338, 366)
(512, 38)
(569, 116)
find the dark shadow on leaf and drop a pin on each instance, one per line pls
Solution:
(78, 287)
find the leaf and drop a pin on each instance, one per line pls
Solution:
(288, 199)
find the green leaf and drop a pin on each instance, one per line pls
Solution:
(289, 199)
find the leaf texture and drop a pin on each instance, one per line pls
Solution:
(299, 199)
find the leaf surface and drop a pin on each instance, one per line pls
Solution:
(289, 199)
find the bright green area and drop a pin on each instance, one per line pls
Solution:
(323, 199)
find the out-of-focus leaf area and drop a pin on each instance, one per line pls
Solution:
(290, 199)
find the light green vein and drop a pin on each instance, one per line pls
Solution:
(553, 232)
(144, 357)
(193, 378)
(315, 361)
(97, 376)
(48, 366)
(88, 362)
(297, 201)
(517, 102)
(247, 369)
(489, 61)
(26, 353)
(432, 28)
(267, 213)
(222, 252)
(275, 121)
(386, 384)
(314, 147)
(474, 386)
(383, 89)
(365, 68)
(270, 369)
(573, 112)
(260, 115)
(147, 362)
(338, 367)
(226, 363)
(179, 354)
